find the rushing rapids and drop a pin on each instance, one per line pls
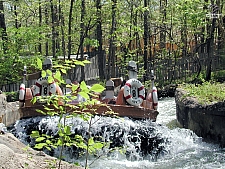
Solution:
(147, 144)
(141, 138)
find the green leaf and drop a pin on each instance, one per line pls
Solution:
(63, 70)
(40, 145)
(91, 149)
(47, 136)
(83, 86)
(86, 62)
(68, 86)
(67, 130)
(35, 134)
(39, 64)
(79, 63)
(43, 73)
(84, 95)
(40, 111)
(48, 142)
(68, 144)
(59, 142)
(34, 100)
(60, 133)
(97, 88)
(57, 75)
(48, 148)
(50, 79)
(49, 72)
(91, 141)
(39, 139)
(74, 87)
(98, 145)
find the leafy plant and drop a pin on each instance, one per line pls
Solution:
(59, 105)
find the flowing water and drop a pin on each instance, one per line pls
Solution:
(158, 145)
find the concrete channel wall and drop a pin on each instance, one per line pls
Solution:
(207, 121)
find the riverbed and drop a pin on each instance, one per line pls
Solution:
(159, 145)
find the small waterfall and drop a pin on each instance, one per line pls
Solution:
(146, 144)
(140, 138)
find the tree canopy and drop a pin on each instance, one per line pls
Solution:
(128, 29)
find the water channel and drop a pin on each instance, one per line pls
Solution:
(158, 145)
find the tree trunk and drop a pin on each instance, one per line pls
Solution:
(3, 27)
(40, 23)
(184, 37)
(56, 21)
(210, 42)
(70, 28)
(112, 47)
(62, 25)
(99, 38)
(53, 30)
(220, 29)
(163, 4)
(47, 36)
(82, 37)
(16, 26)
(145, 39)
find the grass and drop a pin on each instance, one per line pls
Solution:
(206, 93)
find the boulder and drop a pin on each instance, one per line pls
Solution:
(14, 154)
(9, 111)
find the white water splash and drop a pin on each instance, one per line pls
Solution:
(178, 148)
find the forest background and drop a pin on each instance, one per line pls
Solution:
(179, 40)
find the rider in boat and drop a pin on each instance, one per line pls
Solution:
(128, 95)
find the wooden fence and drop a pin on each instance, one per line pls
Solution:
(168, 70)
(90, 70)
(165, 70)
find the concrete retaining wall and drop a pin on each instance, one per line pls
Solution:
(207, 121)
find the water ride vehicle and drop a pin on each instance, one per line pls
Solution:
(133, 100)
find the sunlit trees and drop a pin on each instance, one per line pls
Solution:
(118, 31)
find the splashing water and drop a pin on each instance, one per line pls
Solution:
(147, 144)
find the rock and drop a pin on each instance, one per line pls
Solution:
(14, 154)
(9, 111)
(3, 129)
(167, 91)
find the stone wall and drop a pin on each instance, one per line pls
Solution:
(207, 121)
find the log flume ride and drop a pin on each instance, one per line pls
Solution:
(133, 100)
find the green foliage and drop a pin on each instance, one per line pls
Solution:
(218, 75)
(208, 92)
(11, 68)
(12, 96)
(60, 104)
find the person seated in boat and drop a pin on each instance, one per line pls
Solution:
(47, 64)
(110, 97)
(133, 92)
(41, 86)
